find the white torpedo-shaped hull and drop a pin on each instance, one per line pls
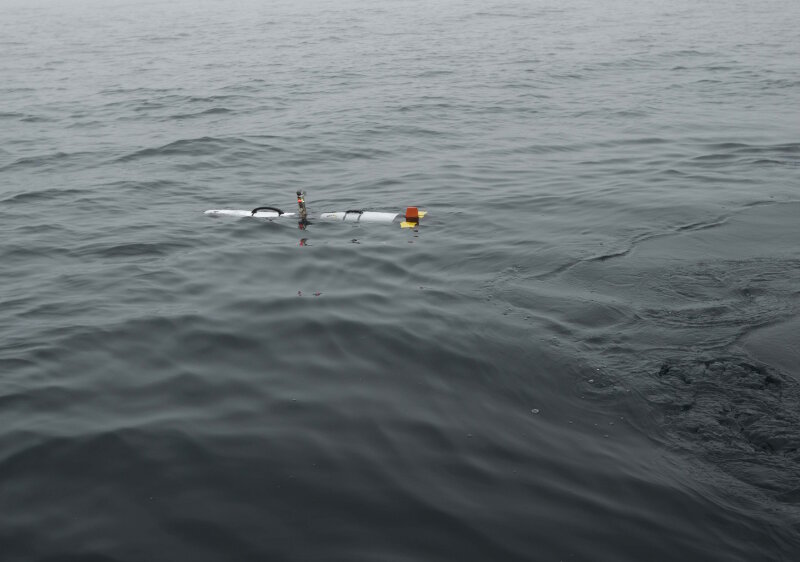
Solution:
(409, 219)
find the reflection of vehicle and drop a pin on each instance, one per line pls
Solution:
(409, 219)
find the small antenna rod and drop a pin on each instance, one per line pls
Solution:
(301, 205)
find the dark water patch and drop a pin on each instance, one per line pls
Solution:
(42, 398)
(746, 153)
(726, 145)
(626, 248)
(17, 89)
(712, 158)
(682, 325)
(434, 73)
(37, 119)
(54, 161)
(203, 146)
(136, 91)
(780, 83)
(218, 98)
(400, 130)
(45, 195)
(557, 76)
(212, 111)
(19, 252)
(316, 154)
(162, 186)
(721, 178)
(702, 225)
(86, 124)
(771, 162)
(625, 113)
(427, 105)
(742, 299)
(125, 250)
(741, 416)
(788, 149)
(164, 106)
(776, 345)
(686, 53)
(623, 64)
(138, 106)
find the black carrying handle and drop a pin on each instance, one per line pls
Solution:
(254, 211)
(354, 211)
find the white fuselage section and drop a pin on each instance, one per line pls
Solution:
(343, 216)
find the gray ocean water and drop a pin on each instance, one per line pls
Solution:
(587, 351)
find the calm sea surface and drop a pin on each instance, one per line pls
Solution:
(588, 351)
